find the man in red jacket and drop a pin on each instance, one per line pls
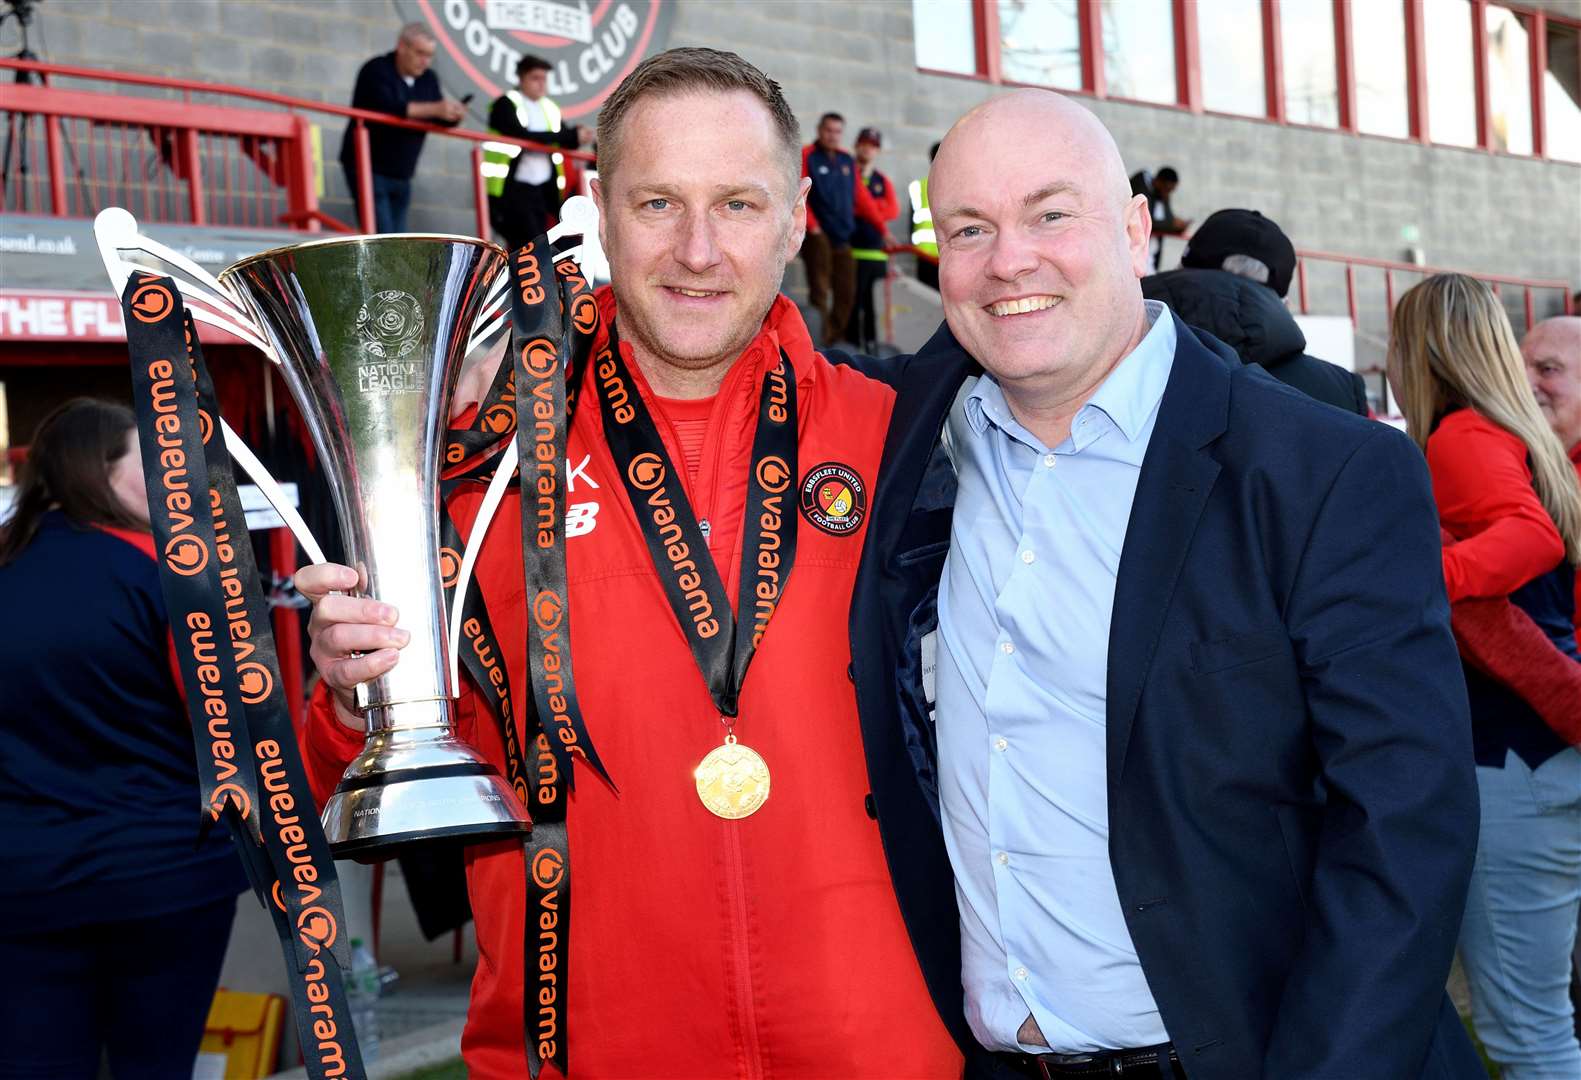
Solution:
(701, 946)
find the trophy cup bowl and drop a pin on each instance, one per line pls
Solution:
(371, 332)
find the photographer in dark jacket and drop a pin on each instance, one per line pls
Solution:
(1234, 276)
(398, 83)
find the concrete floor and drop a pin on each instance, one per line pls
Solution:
(429, 996)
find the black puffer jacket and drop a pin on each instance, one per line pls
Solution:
(1251, 319)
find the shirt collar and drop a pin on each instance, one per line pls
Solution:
(1128, 396)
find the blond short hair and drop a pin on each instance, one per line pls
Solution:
(689, 71)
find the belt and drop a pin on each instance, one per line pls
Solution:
(1140, 1062)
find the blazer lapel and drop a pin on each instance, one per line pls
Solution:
(1177, 474)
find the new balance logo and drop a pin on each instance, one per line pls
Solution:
(580, 518)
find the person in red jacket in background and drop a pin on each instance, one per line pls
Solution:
(869, 241)
(1552, 351)
(1507, 493)
(836, 202)
(700, 947)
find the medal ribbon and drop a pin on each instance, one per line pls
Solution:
(721, 644)
(554, 320)
(228, 664)
(539, 313)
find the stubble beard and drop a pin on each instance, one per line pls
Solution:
(635, 325)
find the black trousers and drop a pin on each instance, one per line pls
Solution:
(522, 211)
(138, 990)
(863, 328)
(988, 1066)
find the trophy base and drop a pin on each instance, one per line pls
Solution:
(410, 786)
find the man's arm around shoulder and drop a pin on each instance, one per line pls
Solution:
(1390, 731)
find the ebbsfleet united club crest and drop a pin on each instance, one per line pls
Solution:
(833, 498)
(590, 44)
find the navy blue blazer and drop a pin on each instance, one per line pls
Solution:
(1292, 798)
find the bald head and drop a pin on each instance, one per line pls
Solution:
(1552, 351)
(1559, 335)
(1031, 124)
(1041, 248)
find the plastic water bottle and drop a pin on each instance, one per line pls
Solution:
(362, 996)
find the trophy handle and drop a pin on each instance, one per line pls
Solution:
(116, 232)
(271, 491)
(579, 217)
(480, 527)
(495, 314)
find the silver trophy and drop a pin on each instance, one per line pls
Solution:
(370, 333)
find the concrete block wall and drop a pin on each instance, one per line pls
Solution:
(1332, 192)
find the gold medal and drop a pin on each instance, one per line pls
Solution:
(733, 780)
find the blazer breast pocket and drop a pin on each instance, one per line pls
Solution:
(1226, 653)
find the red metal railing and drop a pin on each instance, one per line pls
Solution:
(1389, 268)
(164, 161)
(1350, 263)
(176, 159)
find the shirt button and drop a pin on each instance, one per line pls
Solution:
(1002, 859)
(1021, 973)
(1001, 744)
(1048, 461)
(1007, 647)
(1028, 557)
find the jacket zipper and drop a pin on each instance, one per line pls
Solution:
(737, 914)
(741, 948)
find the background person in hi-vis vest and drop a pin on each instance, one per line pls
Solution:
(524, 187)
(869, 241)
(922, 235)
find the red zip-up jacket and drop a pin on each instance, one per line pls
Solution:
(769, 947)
(1483, 488)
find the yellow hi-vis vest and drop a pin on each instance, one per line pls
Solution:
(922, 236)
(499, 158)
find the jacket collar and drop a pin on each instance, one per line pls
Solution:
(782, 328)
(733, 419)
(1177, 474)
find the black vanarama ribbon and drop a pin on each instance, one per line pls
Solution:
(249, 765)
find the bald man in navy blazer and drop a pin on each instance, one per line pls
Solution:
(1166, 730)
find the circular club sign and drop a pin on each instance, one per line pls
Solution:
(590, 44)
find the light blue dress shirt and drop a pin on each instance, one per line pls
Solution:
(1024, 609)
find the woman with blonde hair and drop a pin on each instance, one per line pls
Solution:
(1509, 496)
